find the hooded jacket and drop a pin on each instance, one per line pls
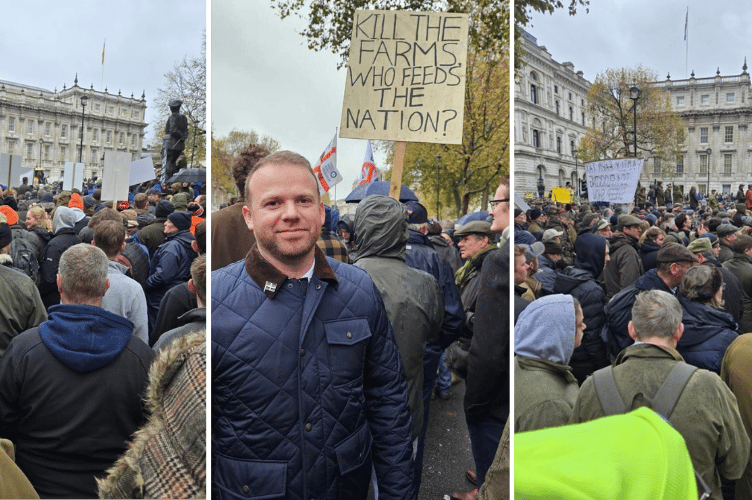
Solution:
(544, 388)
(64, 238)
(322, 420)
(70, 397)
(413, 299)
(707, 334)
(580, 282)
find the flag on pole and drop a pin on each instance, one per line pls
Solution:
(686, 24)
(368, 172)
(326, 168)
(103, 44)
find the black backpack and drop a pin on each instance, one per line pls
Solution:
(24, 255)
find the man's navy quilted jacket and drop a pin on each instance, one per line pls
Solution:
(308, 388)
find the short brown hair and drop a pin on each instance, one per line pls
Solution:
(277, 159)
(109, 235)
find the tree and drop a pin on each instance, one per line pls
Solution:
(225, 149)
(470, 171)
(523, 10)
(660, 131)
(330, 23)
(185, 81)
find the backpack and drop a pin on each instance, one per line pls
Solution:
(24, 255)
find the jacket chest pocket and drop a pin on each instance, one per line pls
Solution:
(347, 341)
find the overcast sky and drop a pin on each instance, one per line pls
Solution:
(619, 34)
(265, 79)
(45, 43)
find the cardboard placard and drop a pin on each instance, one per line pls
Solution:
(405, 78)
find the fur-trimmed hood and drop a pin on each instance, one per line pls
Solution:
(167, 457)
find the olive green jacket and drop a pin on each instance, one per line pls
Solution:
(706, 414)
(544, 394)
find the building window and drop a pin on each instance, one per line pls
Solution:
(656, 166)
(727, 163)
(11, 124)
(729, 136)
(47, 152)
(536, 139)
(680, 100)
(29, 150)
(63, 151)
(703, 135)
(680, 164)
(64, 131)
(558, 145)
(571, 113)
(705, 99)
(557, 108)
(47, 128)
(533, 94)
(730, 98)
(703, 164)
(29, 126)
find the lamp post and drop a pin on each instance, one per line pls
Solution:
(634, 94)
(438, 185)
(576, 172)
(707, 190)
(84, 98)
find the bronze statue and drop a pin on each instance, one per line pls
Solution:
(176, 132)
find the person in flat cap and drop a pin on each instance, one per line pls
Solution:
(673, 262)
(176, 132)
(705, 249)
(625, 265)
(171, 264)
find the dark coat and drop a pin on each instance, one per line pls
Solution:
(487, 383)
(339, 409)
(707, 334)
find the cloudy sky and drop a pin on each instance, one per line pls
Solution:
(265, 79)
(45, 43)
(618, 34)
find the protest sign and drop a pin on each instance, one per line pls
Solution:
(116, 175)
(405, 78)
(73, 176)
(141, 171)
(614, 181)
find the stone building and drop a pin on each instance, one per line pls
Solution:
(716, 112)
(549, 120)
(44, 127)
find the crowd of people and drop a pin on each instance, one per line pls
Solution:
(102, 345)
(328, 337)
(615, 311)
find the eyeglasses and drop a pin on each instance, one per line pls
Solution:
(496, 202)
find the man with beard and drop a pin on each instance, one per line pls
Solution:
(302, 348)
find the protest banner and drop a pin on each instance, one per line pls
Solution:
(141, 171)
(405, 78)
(11, 170)
(73, 175)
(613, 181)
(116, 175)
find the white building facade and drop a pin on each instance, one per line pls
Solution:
(717, 149)
(549, 120)
(44, 127)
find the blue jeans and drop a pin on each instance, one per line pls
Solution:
(485, 435)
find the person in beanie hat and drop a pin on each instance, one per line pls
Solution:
(171, 263)
(153, 235)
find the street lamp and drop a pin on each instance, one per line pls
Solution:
(84, 98)
(576, 172)
(707, 190)
(634, 94)
(438, 185)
